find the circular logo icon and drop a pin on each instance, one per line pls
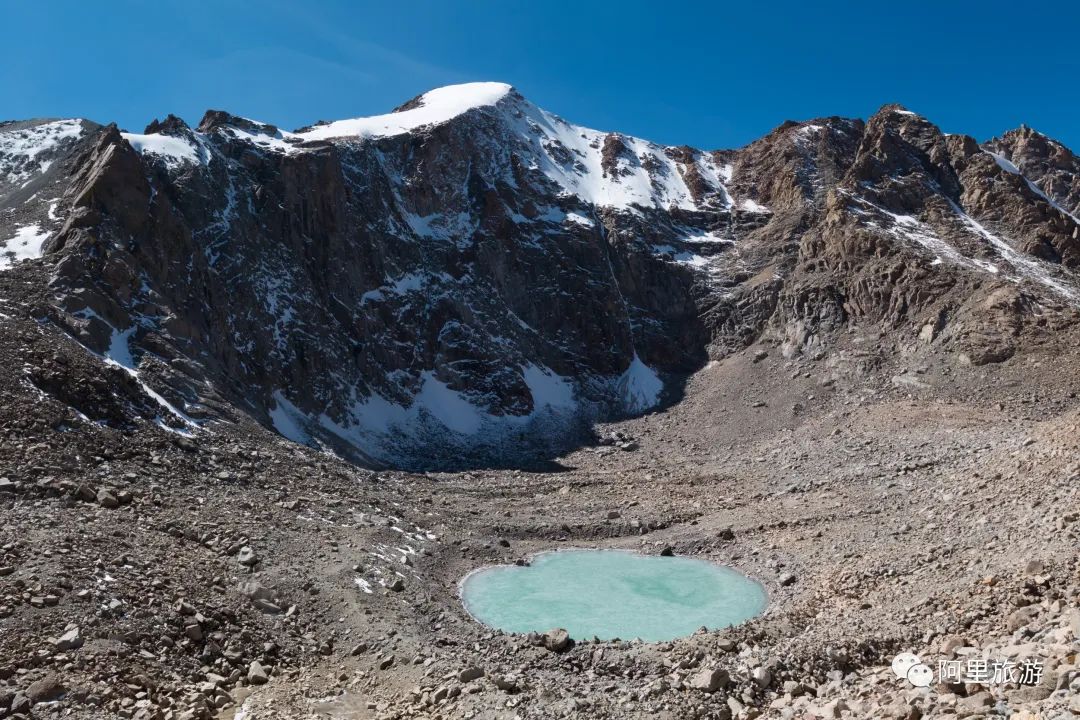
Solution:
(920, 675)
(904, 662)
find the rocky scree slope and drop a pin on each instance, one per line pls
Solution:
(473, 280)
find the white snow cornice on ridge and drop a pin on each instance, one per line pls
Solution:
(175, 151)
(433, 107)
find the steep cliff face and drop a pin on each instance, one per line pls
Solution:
(471, 276)
(1053, 168)
(932, 233)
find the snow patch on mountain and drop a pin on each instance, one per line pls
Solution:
(25, 245)
(1007, 165)
(579, 219)
(119, 355)
(717, 176)
(752, 206)
(438, 406)
(455, 227)
(1004, 163)
(806, 134)
(175, 151)
(449, 407)
(438, 415)
(700, 237)
(682, 257)
(908, 228)
(288, 420)
(21, 146)
(548, 388)
(277, 141)
(572, 156)
(387, 431)
(119, 352)
(1025, 266)
(436, 106)
(639, 386)
(409, 282)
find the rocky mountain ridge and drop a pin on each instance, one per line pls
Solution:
(473, 280)
(864, 331)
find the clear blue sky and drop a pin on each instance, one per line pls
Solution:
(712, 75)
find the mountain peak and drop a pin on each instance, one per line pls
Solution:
(431, 108)
(895, 112)
(1028, 135)
(214, 119)
(473, 94)
(171, 125)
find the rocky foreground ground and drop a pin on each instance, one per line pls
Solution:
(888, 503)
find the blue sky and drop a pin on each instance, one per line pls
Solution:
(711, 75)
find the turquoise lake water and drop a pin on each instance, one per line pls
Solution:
(612, 594)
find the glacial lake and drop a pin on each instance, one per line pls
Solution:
(612, 594)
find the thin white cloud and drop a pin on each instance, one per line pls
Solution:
(389, 64)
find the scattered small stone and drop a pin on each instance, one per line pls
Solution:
(106, 499)
(70, 640)
(21, 704)
(266, 606)
(45, 689)
(710, 680)
(556, 640)
(1019, 618)
(794, 688)
(257, 674)
(247, 556)
(193, 631)
(470, 673)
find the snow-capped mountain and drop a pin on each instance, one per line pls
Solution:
(471, 275)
